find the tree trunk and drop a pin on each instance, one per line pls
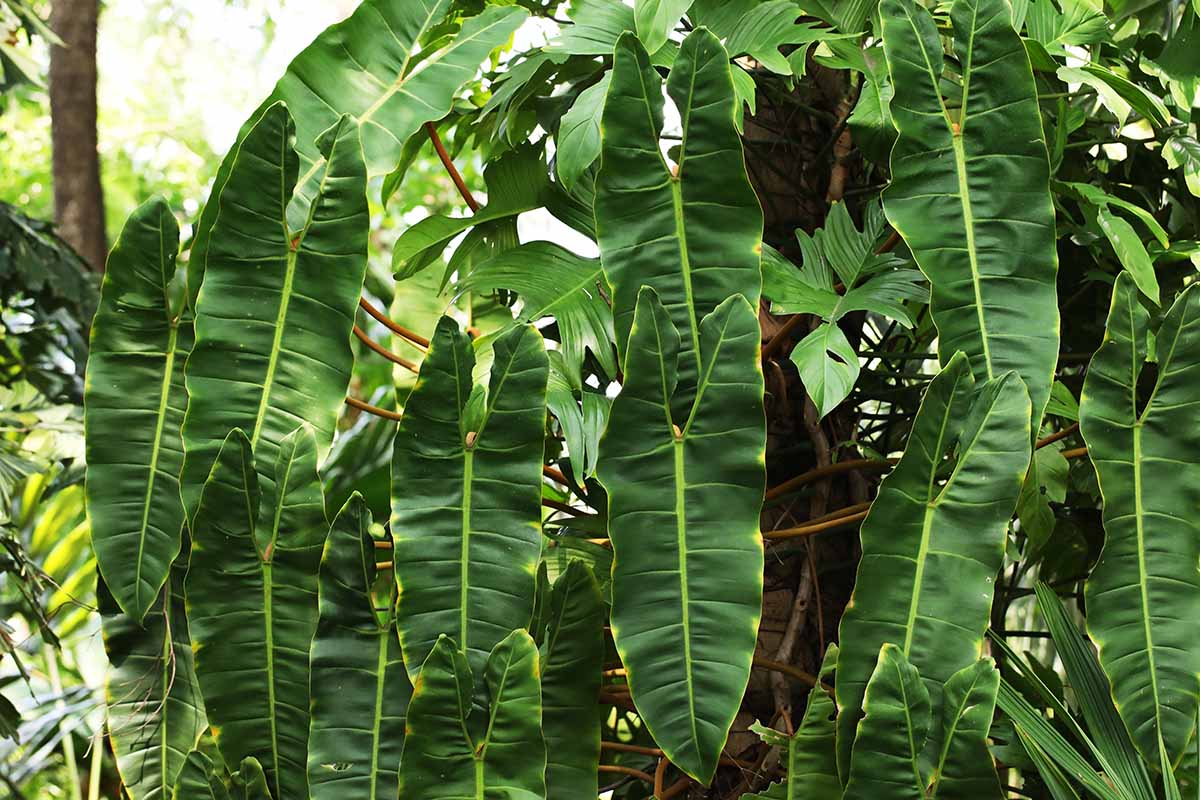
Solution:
(78, 198)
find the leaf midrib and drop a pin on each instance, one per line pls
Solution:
(160, 425)
(960, 169)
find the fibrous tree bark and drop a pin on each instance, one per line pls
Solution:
(78, 198)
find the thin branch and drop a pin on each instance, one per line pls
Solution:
(455, 175)
(563, 507)
(1054, 437)
(819, 527)
(383, 351)
(791, 484)
(1078, 452)
(621, 770)
(621, 747)
(396, 328)
(555, 475)
(354, 402)
(786, 669)
(660, 775)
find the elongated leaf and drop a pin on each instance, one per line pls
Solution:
(656, 19)
(273, 321)
(934, 538)
(252, 604)
(155, 712)
(370, 66)
(694, 234)
(811, 753)
(970, 190)
(572, 658)
(964, 768)
(684, 498)
(466, 495)
(1143, 596)
(892, 736)
(1114, 748)
(197, 780)
(554, 282)
(1036, 731)
(359, 687)
(577, 145)
(134, 401)
(451, 753)
(1130, 251)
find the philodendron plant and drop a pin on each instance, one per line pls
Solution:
(559, 590)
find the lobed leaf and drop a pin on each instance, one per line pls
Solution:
(684, 497)
(274, 317)
(934, 538)
(134, 401)
(970, 189)
(693, 234)
(376, 67)
(251, 593)
(1143, 595)
(451, 752)
(359, 689)
(466, 495)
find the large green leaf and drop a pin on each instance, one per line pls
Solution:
(252, 604)
(693, 234)
(358, 684)
(886, 764)
(376, 67)
(1143, 596)
(466, 495)
(889, 760)
(571, 663)
(970, 189)
(554, 282)
(134, 401)
(684, 498)
(934, 538)
(809, 755)
(274, 317)
(451, 751)
(155, 713)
